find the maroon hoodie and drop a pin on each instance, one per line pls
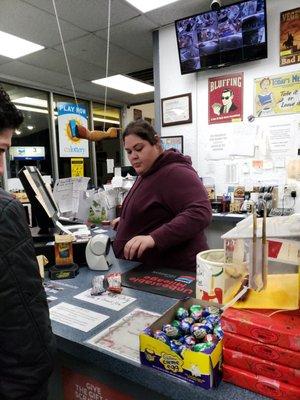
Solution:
(170, 203)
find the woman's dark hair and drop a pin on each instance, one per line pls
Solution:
(10, 116)
(142, 129)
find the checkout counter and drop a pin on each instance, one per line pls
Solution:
(117, 377)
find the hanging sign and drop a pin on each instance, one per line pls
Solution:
(77, 167)
(225, 98)
(70, 145)
(290, 37)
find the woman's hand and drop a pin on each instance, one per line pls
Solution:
(136, 246)
(114, 223)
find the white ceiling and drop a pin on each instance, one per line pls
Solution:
(84, 29)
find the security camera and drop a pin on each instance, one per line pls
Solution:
(215, 5)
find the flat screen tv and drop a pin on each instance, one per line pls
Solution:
(236, 33)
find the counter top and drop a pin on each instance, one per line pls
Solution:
(72, 341)
(228, 216)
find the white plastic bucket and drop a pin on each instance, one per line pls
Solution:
(210, 275)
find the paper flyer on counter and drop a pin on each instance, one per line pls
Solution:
(122, 338)
(113, 301)
(76, 317)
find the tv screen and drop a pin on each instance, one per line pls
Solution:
(232, 35)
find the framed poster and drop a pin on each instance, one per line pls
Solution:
(172, 142)
(225, 98)
(176, 110)
(277, 94)
(290, 37)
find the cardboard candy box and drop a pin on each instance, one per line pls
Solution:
(260, 384)
(290, 376)
(277, 329)
(275, 354)
(198, 368)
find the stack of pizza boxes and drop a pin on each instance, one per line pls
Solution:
(261, 351)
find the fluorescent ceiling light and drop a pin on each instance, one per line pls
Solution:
(38, 110)
(14, 47)
(31, 101)
(124, 84)
(146, 6)
(111, 121)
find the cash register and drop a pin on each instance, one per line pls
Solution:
(48, 217)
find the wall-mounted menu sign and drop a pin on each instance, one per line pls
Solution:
(27, 153)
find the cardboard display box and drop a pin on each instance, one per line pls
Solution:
(276, 354)
(200, 369)
(290, 376)
(260, 384)
(278, 329)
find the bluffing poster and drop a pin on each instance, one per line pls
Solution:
(277, 94)
(225, 98)
(290, 37)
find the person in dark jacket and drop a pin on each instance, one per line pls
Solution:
(26, 339)
(167, 210)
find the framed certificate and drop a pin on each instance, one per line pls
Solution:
(177, 110)
(172, 142)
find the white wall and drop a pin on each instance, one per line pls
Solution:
(147, 111)
(196, 134)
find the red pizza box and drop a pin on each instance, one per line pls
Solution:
(260, 384)
(276, 354)
(278, 329)
(291, 376)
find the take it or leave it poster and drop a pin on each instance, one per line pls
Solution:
(225, 98)
(277, 94)
(290, 37)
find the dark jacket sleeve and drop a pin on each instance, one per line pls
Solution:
(26, 339)
(187, 198)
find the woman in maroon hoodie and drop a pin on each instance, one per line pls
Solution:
(166, 211)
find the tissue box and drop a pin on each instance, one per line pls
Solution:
(277, 329)
(276, 354)
(291, 376)
(260, 384)
(200, 369)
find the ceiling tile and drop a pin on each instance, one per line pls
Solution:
(134, 35)
(35, 74)
(30, 23)
(90, 15)
(54, 60)
(93, 49)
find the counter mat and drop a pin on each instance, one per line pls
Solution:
(164, 281)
